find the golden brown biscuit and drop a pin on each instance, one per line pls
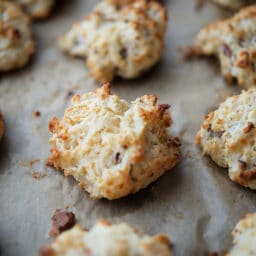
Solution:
(244, 237)
(233, 41)
(113, 148)
(228, 136)
(119, 39)
(105, 239)
(16, 44)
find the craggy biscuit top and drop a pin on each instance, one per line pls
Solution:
(119, 39)
(16, 45)
(1, 126)
(105, 239)
(37, 8)
(111, 147)
(244, 237)
(234, 42)
(228, 136)
(233, 4)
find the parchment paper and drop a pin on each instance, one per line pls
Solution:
(195, 204)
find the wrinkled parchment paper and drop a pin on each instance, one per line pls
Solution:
(195, 204)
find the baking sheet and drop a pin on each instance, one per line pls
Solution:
(195, 204)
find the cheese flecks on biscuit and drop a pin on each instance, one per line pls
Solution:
(119, 38)
(244, 237)
(16, 44)
(105, 239)
(233, 41)
(228, 136)
(113, 148)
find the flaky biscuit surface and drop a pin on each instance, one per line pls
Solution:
(244, 237)
(119, 39)
(233, 41)
(228, 136)
(105, 239)
(16, 44)
(110, 147)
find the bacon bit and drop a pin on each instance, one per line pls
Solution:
(38, 175)
(36, 113)
(243, 60)
(248, 175)
(226, 50)
(123, 53)
(162, 108)
(249, 127)
(242, 164)
(117, 157)
(61, 221)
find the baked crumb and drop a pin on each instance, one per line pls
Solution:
(36, 113)
(38, 175)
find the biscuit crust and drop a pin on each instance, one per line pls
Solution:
(105, 239)
(110, 147)
(1, 126)
(244, 237)
(233, 42)
(228, 136)
(119, 38)
(16, 44)
(37, 9)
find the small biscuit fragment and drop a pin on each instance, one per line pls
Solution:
(233, 4)
(119, 38)
(38, 9)
(1, 126)
(233, 41)
(228, 136)
(16, 44)
(112, 148)
(105, 239)
(244, 237)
